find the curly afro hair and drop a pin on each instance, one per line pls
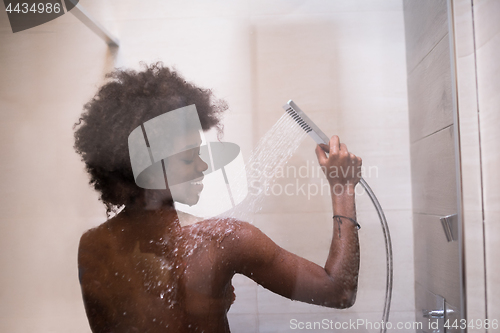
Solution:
(128, 100)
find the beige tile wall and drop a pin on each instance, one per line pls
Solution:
(343, 62)
(434, 159)
(46, 74)
(487, 37)
(470, 162)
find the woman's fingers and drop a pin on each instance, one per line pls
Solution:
(339, 158)
(320, 153)
(336, 149)
(326, 148)
(343, 149)
(334, 145)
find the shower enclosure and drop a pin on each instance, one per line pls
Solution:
(391, 78)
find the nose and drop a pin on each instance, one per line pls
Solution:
(201, 165)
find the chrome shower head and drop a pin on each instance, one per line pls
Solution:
(305, 122)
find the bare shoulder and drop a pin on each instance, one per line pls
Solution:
(96, 247)
(98, 237)
(233, 231)
(247, 235)
(243, 244)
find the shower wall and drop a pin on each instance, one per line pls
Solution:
(46, 74)
(477, 47)
(434, 158)
(343, 62)
(487, 49)
(460, 78)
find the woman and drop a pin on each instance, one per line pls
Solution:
(142, 271)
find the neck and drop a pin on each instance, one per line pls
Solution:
(152, 223)
(155, 230)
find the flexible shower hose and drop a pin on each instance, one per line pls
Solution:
(388, 253)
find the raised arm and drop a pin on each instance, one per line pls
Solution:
(258, 257)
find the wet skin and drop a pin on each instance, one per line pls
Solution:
(142, 271)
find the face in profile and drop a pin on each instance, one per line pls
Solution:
(184, 170)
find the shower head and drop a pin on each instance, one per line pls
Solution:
(306, 123)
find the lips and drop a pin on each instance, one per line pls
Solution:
(197, 184)
(197, 181)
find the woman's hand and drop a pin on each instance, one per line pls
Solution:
(341, 167)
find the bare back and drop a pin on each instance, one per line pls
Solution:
(176, 282)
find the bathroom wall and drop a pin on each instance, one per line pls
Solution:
(477, 47)
(46, 75)
(343, 62)
(470, 156)
(468, 64)
(434, 158)
(487, 47)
